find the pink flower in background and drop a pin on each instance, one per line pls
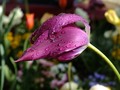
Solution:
(58, 38)
(58, 83)
(45, 63)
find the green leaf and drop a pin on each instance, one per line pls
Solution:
(8, 27)
(1, 50)
(8, 73)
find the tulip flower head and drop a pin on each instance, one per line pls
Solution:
(58, 38)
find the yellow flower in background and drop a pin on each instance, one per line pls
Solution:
(45, 17)
(26, 35)
(112, 17)
(116, 39)
(19, 53)
(116, 53)
(10, 36)
(16, 41)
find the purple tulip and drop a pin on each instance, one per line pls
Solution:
(58, 38)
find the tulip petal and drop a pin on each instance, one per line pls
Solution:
(37, 50)
(57, 22)
(71, 54)
(67, 39)
(58, 38)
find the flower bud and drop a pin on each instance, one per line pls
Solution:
(112, 17)
(58, 38)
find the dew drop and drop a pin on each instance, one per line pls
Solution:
(30, 50)
(75, 45)
(67, 46)
(52, 36)
(39, 41)
(45, 38)
(60, 49)
(61, 40)
(32, 56)
(54, 54)
(57, 37)
(62, 32)
(58, 44)
(37, 54)
(53, 40)
(46, 49)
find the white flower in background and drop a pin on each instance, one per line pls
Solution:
(4, 18)
(70, 86)
(99, 87)
(1, 10)
(111, 3)
(61, 69)
(111, 33)
(108, 34)
(60, 75)
(18, 16)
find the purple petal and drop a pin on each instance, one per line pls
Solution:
(69, 38)
(71, 54)
(37, 50)
(56, 23)
(58, 38)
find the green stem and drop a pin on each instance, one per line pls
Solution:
(25, 46)
(2, 73)
(1, 20)
(9, 25)
(2, 66)
(15, 68)
(105, 58)
(69, 74)
(26, 6)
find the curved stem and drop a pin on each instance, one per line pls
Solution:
(105, 58)
(69, 74)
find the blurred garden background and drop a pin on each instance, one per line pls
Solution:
(19, 18)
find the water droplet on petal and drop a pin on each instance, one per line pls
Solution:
(53, 40)
(58, 44)
(60, 49)
(32, 56)
(54, 54)
(61, 40)
(37, 54)
(46, 49)
(67, 46)
(62, 32)
(75, 45)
